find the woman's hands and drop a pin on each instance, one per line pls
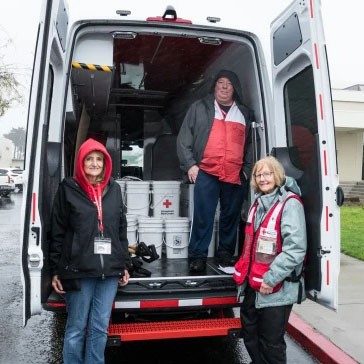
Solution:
(192, 173)
(123, 281)
(57, 285)
(265, 289)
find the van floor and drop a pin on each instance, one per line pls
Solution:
(168, 267)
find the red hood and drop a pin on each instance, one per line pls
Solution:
(91, 145)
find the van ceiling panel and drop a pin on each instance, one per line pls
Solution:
(169, 64)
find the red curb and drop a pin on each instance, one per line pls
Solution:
(315, 343)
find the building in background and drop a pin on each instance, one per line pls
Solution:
(8, 157)
(349, 127)
(6, 152)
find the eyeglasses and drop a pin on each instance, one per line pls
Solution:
(265, 175)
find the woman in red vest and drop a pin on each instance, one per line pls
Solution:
(269, 271)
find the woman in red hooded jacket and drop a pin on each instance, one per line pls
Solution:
(88, 252)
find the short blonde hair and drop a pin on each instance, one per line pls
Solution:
(274, 165)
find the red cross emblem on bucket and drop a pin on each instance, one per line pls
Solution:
(167, 203)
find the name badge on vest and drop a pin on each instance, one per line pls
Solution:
(102, 246)
(267, 242)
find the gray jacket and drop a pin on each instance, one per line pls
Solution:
(195, 130)
(294, 245)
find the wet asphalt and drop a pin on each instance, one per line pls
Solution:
(40, 341)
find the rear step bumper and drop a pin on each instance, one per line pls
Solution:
(173, 330)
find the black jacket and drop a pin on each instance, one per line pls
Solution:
(74, 227)
(195, 131)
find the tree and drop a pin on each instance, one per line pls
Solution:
(17, 136)
(9, 85)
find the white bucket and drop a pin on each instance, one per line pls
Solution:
(166, 195)
(137, 197)
(177, 236)
(132, 222)
(121, 183)
(150, 231)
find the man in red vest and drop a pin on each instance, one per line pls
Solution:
(214, 148)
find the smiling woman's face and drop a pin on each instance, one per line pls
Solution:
(264, 178)
(93, 166)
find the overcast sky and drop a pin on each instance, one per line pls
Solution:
(342, 23)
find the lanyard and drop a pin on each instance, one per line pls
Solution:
(98, 203)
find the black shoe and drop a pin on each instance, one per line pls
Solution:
(197, 265)
(225, 259)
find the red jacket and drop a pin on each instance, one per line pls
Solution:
(224, 152)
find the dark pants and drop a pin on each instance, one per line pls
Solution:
(263, 330)
(208, 191)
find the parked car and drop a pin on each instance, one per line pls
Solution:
(16, 176)
(6, 184)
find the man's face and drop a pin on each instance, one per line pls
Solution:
(224, 91)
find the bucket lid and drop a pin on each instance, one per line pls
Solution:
(177, 220)
(166, 183)
(137, 183)
(150, 221)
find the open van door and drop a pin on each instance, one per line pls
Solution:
(305, 139)
(48, 69)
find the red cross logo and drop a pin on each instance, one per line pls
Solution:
(167, 203)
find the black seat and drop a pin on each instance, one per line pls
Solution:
(165, 162)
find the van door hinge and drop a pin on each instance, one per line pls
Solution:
(34, 261)
(323, 252)
(35, 233)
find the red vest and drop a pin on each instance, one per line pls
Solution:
(223, 154)
(261, 247)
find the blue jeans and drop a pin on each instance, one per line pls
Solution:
(208, 191)
(88, 315)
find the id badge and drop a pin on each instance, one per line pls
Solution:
(102, 246)
(267, 242)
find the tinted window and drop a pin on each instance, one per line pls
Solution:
(301, 119)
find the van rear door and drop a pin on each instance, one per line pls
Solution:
(305, 139)
(48, 69)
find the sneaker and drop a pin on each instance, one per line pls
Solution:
(197, 265)
(225, 259)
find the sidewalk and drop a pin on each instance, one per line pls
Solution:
(344, 328)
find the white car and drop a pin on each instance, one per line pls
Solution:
(6, 184)
(15, 175)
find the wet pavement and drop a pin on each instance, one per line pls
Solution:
(41, 340)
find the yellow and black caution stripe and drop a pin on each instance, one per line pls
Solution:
(91, 67)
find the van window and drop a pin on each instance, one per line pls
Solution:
(301, 118)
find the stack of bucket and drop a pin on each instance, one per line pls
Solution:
(164, 225)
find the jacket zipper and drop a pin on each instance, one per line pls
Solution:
(102, 266)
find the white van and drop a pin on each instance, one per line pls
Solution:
(127, 79)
